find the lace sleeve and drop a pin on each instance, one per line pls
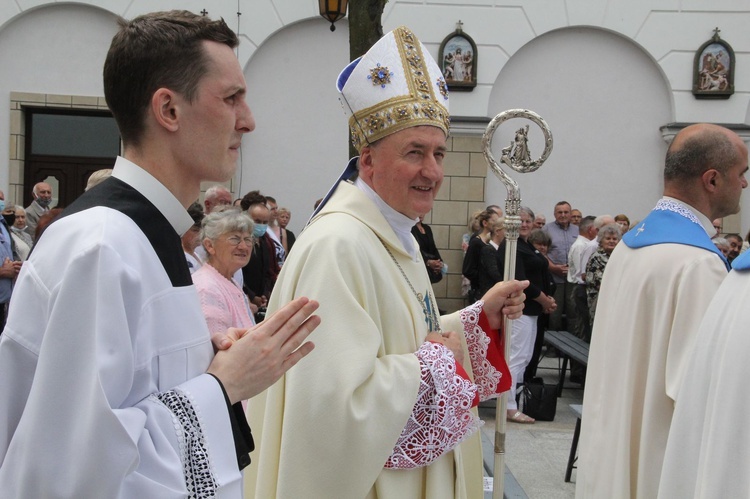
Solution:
(486, 352)
(442, 415)
(199, 478)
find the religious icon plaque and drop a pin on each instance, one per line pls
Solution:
(713, 69)
(458, 60)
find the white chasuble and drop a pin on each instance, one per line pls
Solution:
(327, 428)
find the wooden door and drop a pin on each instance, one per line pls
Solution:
(67, 176)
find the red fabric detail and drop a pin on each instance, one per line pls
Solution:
(491, 373)
(496, 351)
(460, 371)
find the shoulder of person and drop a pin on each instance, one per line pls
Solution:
(337, 232)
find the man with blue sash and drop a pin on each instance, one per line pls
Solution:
(654, 294)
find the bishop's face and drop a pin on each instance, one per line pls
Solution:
(406, 168)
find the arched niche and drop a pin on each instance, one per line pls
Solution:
(604, 99)
(300, 144)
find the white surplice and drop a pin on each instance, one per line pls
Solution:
(102, 362)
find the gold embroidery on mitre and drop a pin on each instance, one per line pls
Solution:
(443, 87)
(420, 107)
(403, 113)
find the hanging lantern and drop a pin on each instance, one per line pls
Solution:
(333, 10)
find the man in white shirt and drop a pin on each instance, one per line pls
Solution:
(109, 386)
(575, 277)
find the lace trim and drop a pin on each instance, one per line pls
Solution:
(669, 205)
(486, 376)
(199, 480)
(441, 417)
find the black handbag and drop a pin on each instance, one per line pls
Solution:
(540, 400)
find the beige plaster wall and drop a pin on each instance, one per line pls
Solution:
(462, 194)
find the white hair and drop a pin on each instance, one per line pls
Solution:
(599, 221)
(214, 191)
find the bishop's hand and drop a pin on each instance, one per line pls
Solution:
(504, 299)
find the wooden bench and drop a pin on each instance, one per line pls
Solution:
(570, 347)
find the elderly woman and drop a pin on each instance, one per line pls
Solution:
(21, 238)
(227, 238)
(534, 267)
(608, 237)
(723, 244)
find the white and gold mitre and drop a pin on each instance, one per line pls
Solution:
(395, 85)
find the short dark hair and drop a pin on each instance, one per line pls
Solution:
(195, 211)
(733, 235)
(252, 198)
(697, 153)
(559, 203)
(152, 51)
(540, 237)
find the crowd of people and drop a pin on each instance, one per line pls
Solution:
(271, 240)
(164, 330)
(563, 260)
(576, 250)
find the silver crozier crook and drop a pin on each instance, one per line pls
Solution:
(518, 157)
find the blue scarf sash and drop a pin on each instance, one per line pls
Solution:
(671, 222)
